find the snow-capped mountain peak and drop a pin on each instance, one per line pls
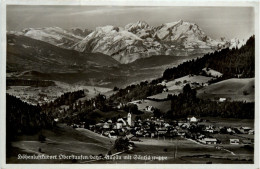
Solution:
(139, 40)
(236, 43)
(135, 26)
(110, 40)
(53, 35)
(135, 40)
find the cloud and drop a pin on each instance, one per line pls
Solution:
(110, 10)
(215, 21)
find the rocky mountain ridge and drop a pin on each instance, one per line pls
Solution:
(134, 41)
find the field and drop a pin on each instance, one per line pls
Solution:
(177, 84)
(42, 95)
(228, 122)
(58, 141)
(164, 106)
(235, 89)
(68, 141)
(164, 95)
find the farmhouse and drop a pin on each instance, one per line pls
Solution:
(248, 142)
(192, 119)
(252, 132)
(209, 140)
(106, 125)
(230, 130)
(162, 130)
(234, 141)
(181, 132)
(245, 130)
(149, 108)
(209, 129)
(222, 99)
(163, 83)
(211, 72)
(165, 89)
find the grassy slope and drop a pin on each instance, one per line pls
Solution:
(32, 94)
(61, 140)
(164, 106)
(231, 88)
(176, 89)
(68, 141)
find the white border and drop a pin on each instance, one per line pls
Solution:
(253, 3)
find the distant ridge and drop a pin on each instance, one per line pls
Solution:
(134, 41)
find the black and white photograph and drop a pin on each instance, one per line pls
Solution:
(121, 84)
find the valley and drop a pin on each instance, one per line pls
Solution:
(169, 92)
(87, 143)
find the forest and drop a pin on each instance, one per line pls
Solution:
(66, 99)
(136, 92)
(23, 118)
(187, 103)
(230, 62)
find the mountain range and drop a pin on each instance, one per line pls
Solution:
(25, 53)
(132, 42)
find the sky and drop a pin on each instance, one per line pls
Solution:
(216, 22)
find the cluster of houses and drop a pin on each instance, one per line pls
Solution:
(192, 128)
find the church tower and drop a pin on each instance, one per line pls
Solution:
(129, 119)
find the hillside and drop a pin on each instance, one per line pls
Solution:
(23, 118)
(235, 89)
(229, 62)
(25, 53)
(54, 35)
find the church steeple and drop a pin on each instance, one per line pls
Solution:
(129, 119)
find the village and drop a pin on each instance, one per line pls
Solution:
(192, 128)
(151, 126)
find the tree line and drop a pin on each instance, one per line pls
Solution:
(23, 118)
(67, 98)
(187, 103)
(136, 92)
(230, 62)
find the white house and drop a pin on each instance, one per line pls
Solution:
(222, 99)
(192, 119)
(210, 129)
(149, 108)
(234, 141)
(209, 141)
(119, 125)
(251, 132)
(122, 121)
(165, 89)
(106, 125)
(246, 129)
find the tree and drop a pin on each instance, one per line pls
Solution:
(121, 144)
(115, 88)
(157, 113)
